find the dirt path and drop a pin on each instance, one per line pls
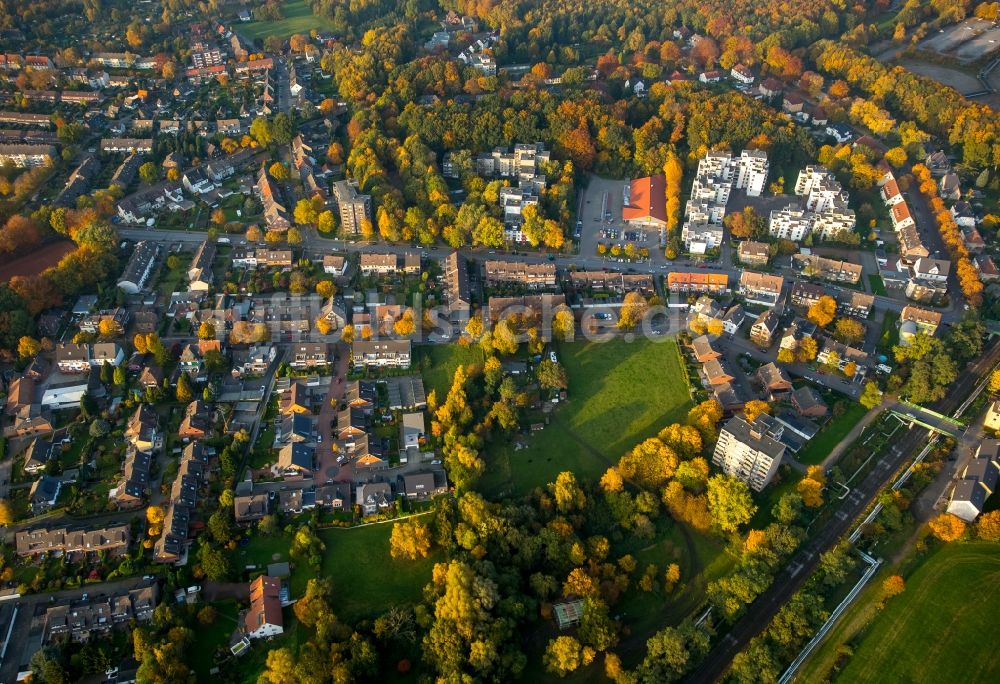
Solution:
(851, 436)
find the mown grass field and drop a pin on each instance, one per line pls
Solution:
(367, 581)
(437, 364)
(297, 18)
(820, 446)
(939, 629)
(619, 394)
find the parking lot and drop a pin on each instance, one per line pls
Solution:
(600, 219)
(967, 40)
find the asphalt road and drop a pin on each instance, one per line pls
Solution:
(317, 247)
(759, 614)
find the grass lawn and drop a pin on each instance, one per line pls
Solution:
(297, 17)
(208, 638)
(878, 287)
(173, 279)
(619, 394)
(936, 628)
(820, 446)
(437, 364)
(367, 581)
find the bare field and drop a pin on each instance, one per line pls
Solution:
(36, 262)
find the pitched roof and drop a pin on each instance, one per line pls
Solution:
(265, 604)
(647, 199)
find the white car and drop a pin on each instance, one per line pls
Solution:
(552, 357)
(194, 589)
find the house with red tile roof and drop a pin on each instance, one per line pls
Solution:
(264, 618)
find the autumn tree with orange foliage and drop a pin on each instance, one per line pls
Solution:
(951, 236)
(988, 526)
(810, 488)
(947, 527)
(673, 172)
(893, 585)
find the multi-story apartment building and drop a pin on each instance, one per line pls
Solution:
(529, 275)
(751, 171)
(753, 253)
(828, 269)
(513, 201)
(381, 353)
(761, 288)
(820, 188)
(699, 236)
(23, 156)
(203, 56)
(830, 223)
(750, 452)
(523, 163)
(791, 223)
(354, 208)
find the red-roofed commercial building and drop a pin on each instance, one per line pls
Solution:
(647, 202)
(264, 617)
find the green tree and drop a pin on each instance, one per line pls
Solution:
(410, 540)
(562, 655)
(872, 395)
(149, 172)
(671, 652)
(551, 375)
(281, 129)
(220, 524)
(260, 130)
(119, 376)
(185, 392)
(107, 373)
(729, 502)
(99, 428)
(213, 562)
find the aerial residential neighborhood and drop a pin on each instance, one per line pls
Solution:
(503, 341)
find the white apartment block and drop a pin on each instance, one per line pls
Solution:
(750, 452)
(821, 190)
(751, 172)
(699, 237)
(829, 222)
(709, 197)
(513, 201)
(522, 163)
(718, 163)
(791, 223)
